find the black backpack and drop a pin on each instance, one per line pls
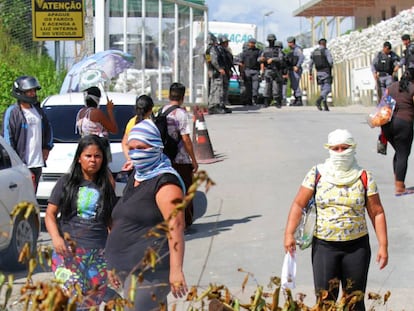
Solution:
(170, 144)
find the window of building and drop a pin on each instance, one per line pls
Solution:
(393, 11)
(383, 15)
(369, 21)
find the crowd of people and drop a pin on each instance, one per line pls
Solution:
(98, 239)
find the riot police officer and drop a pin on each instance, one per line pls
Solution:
(221, 65)
(322, 59)
(407, 59)
(295, 59)
(273, 69)
(211, 43)
(250, 66)
(384, 67)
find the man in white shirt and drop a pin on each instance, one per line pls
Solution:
(185, 162)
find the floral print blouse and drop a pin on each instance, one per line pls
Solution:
(340, 209)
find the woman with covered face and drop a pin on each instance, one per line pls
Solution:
(149, 199)
(343, 194)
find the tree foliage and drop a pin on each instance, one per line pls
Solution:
(18, 59)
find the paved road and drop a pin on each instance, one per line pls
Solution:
(263, 156)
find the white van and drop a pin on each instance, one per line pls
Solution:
(61, 111)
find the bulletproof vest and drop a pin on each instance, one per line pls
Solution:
(291, 59)
(409, 54)
(319, 59)
(224, 58)
(250, 58)
(385, 63)
(275, 53)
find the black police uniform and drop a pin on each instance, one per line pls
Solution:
(249, 59)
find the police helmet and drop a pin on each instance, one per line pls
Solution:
(291, 39)
(211, 39)
(271, 37)
(23, 84)
(222, 39)
(279, 44)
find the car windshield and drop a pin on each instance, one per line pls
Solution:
(62, 119)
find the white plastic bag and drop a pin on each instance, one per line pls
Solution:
(289, 271)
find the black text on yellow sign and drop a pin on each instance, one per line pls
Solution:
(58, 20)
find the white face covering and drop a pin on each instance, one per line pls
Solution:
(342, 161)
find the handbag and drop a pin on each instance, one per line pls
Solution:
(306, 228)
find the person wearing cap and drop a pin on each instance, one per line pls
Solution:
(344, 193)
(385, 67)
(321, 57)
(407, 59)
(273, 70)
(221, 64)
(295, 60)
(26, 127)
(250, 66)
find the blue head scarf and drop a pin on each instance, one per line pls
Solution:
(150, 162)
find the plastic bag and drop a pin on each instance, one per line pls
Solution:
(306, 228)
(288, 276)
(382, 113)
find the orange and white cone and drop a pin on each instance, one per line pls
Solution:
(201, 141)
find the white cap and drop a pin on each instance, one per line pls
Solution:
(340, 137)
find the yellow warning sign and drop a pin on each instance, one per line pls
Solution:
(58, 20)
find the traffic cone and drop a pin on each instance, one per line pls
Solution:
(201, 141)
(374, 97)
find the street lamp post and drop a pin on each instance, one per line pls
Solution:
(263, 28)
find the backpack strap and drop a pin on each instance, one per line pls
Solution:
(169, 110)
(317, 177)
(166, 113)
(364, 179)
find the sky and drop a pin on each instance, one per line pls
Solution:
(280, 22)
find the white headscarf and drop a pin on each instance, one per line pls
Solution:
(341, 168)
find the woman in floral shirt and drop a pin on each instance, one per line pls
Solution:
(340, 246)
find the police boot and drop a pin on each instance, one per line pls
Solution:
(298, 101)
(254, 100)
(325, 106)
(318, 103)
(266, 102)
(278, 102)
(225, 109)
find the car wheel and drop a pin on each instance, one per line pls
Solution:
(24, 231)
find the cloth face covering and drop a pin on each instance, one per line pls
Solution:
(150, 162)
(342, 161)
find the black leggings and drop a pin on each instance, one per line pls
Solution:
(348, 262)
(400, 135)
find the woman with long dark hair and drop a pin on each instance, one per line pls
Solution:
(84, 198)
(143, 110)
(399, 131)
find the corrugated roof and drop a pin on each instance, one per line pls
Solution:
(332, 7)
